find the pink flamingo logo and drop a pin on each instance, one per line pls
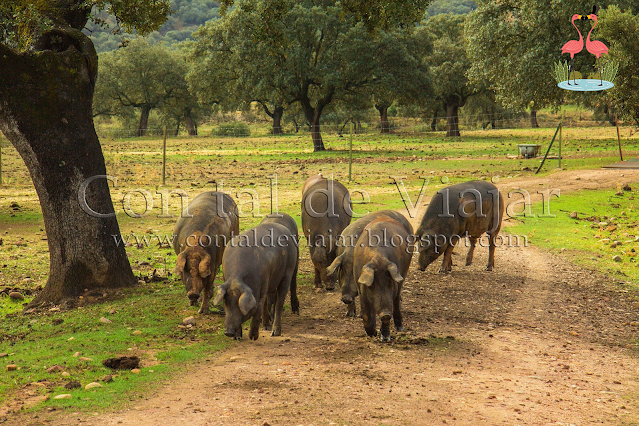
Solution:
(573, 47)
(596, 47)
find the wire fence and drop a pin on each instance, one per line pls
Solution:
(394, 126)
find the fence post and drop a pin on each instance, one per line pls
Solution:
(549, 147)
(164, 159)
(350, 155)
(618, 139)
(561, 127)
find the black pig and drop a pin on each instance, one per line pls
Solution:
(343, 263)
(258, 262)
(380, 262)
(466, 209)
(326, 211)
(200, 236)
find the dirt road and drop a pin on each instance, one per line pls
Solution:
(536, 342)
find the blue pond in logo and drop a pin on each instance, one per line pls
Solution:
(586, 85)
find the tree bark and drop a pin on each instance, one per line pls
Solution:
(145, 111)
(383, 115)
(452, 115)
(46, 112)
(278, 113)
(533, 119)
(191, 125)
(313, 115)
(316, 134)
(433, 124)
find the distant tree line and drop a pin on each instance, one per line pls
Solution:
(308, 60)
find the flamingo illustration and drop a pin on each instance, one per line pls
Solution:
(573, 47)
(596, 47)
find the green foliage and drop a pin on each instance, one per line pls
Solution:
(283, 52)
(375, 14)
(143, 77)
(513, 44)
(185, 18)
(234, 128)
(22, 21)
(620, 28)
(456, 7)
(561, 71)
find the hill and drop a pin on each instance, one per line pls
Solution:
(186, 17)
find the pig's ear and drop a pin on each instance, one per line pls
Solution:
(367, 276)
(181, 263)
(335, 265)
(247, 301)
(221, 291)
(205, 266)
(394, 273)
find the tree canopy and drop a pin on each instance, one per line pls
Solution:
(23, 21)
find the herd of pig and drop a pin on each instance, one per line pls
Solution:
(369, 258)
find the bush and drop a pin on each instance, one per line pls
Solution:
(234, 128)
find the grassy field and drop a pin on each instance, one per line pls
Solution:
(240, 164)
(604, 236)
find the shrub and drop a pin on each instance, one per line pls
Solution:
(234, 128)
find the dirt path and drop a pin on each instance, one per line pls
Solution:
(536, 342)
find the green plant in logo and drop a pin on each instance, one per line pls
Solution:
(561, 71)
(609, 71)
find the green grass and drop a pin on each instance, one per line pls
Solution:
(36, 342)
(586, 240)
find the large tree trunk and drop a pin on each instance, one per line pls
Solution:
(316, 133)
(46, 113)
(383, 116)
(278, 113)
(433, 124)
(313, 116)
(533, 119)
(144, 120)
(191, 125)
(452, 115)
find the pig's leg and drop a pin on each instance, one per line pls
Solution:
(279, 306)
(295, 303)
(349, 293)
(471, 251)
(254, 332)
(206, 295)
(397, 313)
(447, 263)
(368, 316)
(318, 278)
(266, 314)
(351, 310)
(491, 252)
(329, 282)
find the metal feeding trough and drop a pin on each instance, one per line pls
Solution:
(529, 150)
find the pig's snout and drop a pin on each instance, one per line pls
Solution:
(385, 316)
(193, 297)
(229, 333)
(347, 299)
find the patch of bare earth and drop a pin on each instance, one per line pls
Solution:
(537, 341)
